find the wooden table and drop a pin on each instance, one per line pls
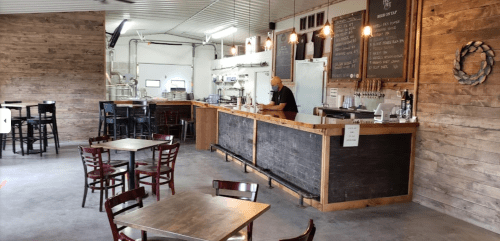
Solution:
(130, 145)
(28, 106)
(194, 216)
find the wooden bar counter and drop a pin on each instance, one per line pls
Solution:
(308, 151)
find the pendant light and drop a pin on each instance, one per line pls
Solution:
(294, 39)
(233, 48)
(327, 28)
(367, 31)
(249, 43)
(269, 42)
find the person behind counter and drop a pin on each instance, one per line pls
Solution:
(283, 98)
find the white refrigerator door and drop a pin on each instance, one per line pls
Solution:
(263, 87)
(309, 85)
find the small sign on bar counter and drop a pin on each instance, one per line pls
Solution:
(351, 137)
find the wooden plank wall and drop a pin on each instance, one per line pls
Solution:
(56, 56)
(457, 164)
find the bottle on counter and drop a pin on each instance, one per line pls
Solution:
(409, 104)
(404, 98)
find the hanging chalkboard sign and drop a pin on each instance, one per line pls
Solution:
(387, 48)
(347, 47)
(283, 56)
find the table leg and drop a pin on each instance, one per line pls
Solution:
(131, 171)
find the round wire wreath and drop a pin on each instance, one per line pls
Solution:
(487, 62)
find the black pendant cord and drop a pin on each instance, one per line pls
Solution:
(293, 13)
(234, 16)
(249, 20)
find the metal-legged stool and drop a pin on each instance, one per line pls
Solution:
(187, 123)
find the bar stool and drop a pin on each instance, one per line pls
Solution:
(15, 122)
(110, 117)
(41, 122)
(188, 123)
(147, 120)
(55, 122)
(102, 116)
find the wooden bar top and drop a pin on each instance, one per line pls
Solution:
(289, 118)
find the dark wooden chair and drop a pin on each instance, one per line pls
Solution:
(41, 123)
(156, 137)
(308, 235)
(132, 195)
(163, 170)
(111, 162)
(111, 117)
(102, 116)
(172, 122)
(147, 120)
(250, 188)
(100, 174)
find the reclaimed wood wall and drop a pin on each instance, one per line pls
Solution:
(56, 56)
(458, 143)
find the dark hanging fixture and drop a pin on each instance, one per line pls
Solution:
(269, 42)
(294, 39)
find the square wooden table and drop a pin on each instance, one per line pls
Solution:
(27, 106)
(194, 216)
(130, 145)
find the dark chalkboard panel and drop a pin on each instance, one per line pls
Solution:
(236, 134)
(292, 154)
(283, 56)
(378, 167)
(347, 47)
(387, 49)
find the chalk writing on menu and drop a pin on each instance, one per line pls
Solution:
(346, 53)
(387, 45)
(283, 56)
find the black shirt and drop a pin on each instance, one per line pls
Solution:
(318, 44)
(301, 47)
(285, 95)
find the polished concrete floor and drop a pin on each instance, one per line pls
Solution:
(42, 197)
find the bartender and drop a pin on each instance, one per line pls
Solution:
(282, 97)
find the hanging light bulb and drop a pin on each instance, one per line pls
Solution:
(327, 28)
(293, 37)
(269, 42)
(233, 50)
(367, 31)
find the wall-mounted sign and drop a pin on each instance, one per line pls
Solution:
(351, 136)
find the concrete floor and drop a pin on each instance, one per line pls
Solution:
(42, 201)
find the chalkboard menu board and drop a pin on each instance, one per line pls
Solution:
(347, 47)
(387, 47)
(283, 55)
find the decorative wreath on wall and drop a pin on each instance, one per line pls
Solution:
(487, 62)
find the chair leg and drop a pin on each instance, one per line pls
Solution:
(13, 130)
(101, 190)
(114, 131)
(21, 139)
(100, 125)
(56, 137)
(157, 188)
(153, 187)
(171, 184)
(113, 189)
(123, 183)
(137, 180)
(85, 190)
(40, 140)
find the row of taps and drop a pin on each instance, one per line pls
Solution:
(369, 89)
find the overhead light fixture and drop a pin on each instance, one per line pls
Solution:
(126, 26)
(224, 33)
(327, 28)
(233, 48)
(249, 42)
(269, 42)
(294, 39)
(367, 31)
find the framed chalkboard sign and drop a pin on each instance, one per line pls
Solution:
(283, 56)
(346, 55)
(387, 50)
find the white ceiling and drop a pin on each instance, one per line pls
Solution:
(189, 18)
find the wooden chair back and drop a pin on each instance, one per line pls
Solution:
(91, 157)
(252, 188)
(98, 140)
(167, 154)
(135, 194)
(162, 137)
(172, 117)
(308, 235)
